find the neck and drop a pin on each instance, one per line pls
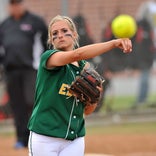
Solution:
(20, 15)
(75, 63)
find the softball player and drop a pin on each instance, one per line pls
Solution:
(57, 126)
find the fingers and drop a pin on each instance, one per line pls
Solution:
(127, 45)
(100, 88)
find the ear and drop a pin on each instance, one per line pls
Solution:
(75, 35)
(51, 41)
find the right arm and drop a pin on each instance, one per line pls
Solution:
(87, 52)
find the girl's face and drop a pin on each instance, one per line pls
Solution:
(62, 36)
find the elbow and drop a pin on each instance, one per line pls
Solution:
(77, 56)
(81, 54)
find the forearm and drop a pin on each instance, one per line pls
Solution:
(93, 50)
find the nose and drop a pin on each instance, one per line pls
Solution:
(60, 35)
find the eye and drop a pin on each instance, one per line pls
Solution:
(65, 30)
(54, 33)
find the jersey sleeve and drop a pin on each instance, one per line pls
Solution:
(45, 56)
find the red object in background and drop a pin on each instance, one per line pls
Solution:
(5, 111)
(2, 116)
(5, 99)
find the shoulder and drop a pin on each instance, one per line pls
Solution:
(35, 17)
(48, 53)
(37, 22)
(5, 22)
(45, 56)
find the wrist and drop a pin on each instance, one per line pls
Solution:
(116, 43)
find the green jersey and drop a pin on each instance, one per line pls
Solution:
(56, 112)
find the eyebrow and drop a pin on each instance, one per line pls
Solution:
(60, 29)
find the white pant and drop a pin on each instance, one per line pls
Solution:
(40, 145)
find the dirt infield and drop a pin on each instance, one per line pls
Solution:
(99, 145)
(122, 144)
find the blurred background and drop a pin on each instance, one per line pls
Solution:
(129, 95)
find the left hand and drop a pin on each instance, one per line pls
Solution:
(89, 108)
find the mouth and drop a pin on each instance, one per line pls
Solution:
(61, 41)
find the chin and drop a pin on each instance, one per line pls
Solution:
(63, 48)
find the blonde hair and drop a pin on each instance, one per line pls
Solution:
(71, 25)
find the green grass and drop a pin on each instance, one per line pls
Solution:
(118, 103)
(129, 128)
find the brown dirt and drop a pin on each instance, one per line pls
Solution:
(116, 145)
(122, 144)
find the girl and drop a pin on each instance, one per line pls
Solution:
(57, 126)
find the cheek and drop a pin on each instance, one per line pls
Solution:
(54, 38)
(68, 35)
